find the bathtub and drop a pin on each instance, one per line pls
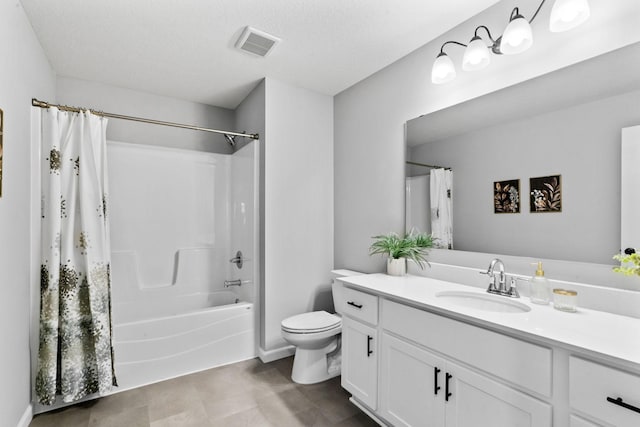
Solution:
(165, 338)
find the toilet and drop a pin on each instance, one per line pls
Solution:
(316, 336)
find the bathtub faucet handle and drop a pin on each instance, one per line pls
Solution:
(237, 260)
(228, 283)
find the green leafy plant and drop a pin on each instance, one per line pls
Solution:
(413, 246)
(627, 270)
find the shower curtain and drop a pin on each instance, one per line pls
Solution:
(75, 356)
(441, 209)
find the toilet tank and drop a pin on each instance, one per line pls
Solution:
(337, 286)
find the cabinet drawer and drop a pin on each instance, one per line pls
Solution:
(360, 305)
(590, 384)
(519, 362)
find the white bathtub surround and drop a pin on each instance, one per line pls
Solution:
(201, 332)
(75, 354)
(178, 217)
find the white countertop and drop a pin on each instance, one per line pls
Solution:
(609, 336)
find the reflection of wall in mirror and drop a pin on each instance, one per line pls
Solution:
(1, 151)
(581, 142)
(630, 178)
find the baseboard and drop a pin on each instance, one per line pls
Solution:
(26, 418)
(367, 411)
(267, 356)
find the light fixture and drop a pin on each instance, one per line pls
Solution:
(516, 38)
(476, 55)
(568, 14)
(443, 70)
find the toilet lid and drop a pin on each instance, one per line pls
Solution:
(316, 321)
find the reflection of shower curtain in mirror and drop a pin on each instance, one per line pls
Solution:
(441, 209)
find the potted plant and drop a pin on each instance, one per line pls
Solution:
(630, 263)
(413, 246)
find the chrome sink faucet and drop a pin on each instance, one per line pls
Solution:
(500, 288)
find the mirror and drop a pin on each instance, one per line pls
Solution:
(566, 123)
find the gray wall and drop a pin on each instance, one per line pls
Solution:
(82, 93)
(296, 202)
(298, 211)
(25, 74)
(370, 116)
(581, 143)
(250, 117)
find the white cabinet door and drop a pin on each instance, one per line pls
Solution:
(411, 384)
(359, 361)
(477, 401)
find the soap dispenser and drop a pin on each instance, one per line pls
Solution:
(539, 287)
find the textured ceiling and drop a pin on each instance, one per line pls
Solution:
(184, 49)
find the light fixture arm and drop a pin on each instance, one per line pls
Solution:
(495, 43)
(536, 12)
(452, 42)
(516, 12)
(475, 33)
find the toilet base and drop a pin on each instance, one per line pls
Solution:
(310, 366)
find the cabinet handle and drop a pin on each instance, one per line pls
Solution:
(358, 306)
(447, 395)
(619, 402)
(369, 351)
(436, 387)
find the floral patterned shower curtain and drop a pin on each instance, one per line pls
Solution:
(75, 357)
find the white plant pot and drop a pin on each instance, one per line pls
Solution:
(396, 267)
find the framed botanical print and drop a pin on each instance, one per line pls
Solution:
(545, 194)
(506, 196)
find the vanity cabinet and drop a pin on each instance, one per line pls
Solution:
(436, 365)
(421, 388)
(360, 346)
(608, 395)
(423, 380)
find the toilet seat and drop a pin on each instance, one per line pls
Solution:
(313, 322)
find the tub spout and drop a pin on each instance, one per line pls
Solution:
(228, 283)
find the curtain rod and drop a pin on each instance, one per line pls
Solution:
(43, 104)
(427, 166)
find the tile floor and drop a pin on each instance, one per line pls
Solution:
(248, 393)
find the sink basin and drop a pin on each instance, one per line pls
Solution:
(485, 302)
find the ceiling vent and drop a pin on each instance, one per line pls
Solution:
(256, 42)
